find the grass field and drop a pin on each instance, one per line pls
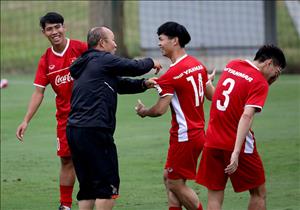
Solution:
(29, 170)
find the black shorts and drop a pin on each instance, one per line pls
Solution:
(95, 160)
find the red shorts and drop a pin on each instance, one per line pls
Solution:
(62, 143)
(249, 174)
(183, 157)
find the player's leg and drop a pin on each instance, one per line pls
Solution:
(67, 173)
(186, 196)
(215, 199)
(211, 175)
(181, 166)
(104, 204)
(67, 180)
(86, 204)
(257, 198)
(173, 202)
(250, 176)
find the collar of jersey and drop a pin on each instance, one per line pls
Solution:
(63, 52)
(250, 63)
(178, 60)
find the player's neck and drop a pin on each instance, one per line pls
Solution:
(262, 68)
(177, 54)
(60, 47)
(257, 64)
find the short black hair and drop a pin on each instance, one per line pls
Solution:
(173, 29)
(51, 17)
(270, 51)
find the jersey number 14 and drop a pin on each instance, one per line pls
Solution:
(199, 93)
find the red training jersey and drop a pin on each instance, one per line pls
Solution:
(185, 81)
(53, 68)
(240, 85)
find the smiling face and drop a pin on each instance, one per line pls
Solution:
(166, 45)
(108, 41)
(56, 34)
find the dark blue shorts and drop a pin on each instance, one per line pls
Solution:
(95, 160)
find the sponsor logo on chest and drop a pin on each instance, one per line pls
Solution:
(63, 79)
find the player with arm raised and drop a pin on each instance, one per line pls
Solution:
(183, 88)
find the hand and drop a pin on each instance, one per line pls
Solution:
(21, 130)
(211, 76)
(157, 66)
(140, 108)
(149, 83)
(234, 162)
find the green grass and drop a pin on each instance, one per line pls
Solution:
(29, 170)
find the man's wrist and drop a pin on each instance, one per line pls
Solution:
(209, 82)
(144, 86)
(144, 112)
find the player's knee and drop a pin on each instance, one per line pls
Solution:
(259, 192)
(165, 176)
(66, 161)
(174, 185)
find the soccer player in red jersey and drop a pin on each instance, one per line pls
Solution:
(230, 148)
(183, 88)
(53, 68)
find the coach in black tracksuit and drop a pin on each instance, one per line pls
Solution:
(92, 120)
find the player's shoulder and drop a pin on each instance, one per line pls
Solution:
(78, 43)
(75, 41)
(194, 61)
(46, 53)
(237, 61)
(190, 58)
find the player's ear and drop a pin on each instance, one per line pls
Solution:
(101, 42)
(267, 63)
(176, 41)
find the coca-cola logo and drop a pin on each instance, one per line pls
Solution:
(63, 79)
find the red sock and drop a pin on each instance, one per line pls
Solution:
(175, 208)
(66, 195)
(200, 207)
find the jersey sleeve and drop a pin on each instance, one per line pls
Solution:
(257, 96)
(204, 75)
(41, 79)
(165, 85)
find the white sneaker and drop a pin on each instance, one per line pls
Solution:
(61, 207)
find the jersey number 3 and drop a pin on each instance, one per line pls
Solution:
(225, 93)
(198, 93)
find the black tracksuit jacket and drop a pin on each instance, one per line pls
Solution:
(97, 81)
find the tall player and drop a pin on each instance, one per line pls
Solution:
(183, 88)
(230, 148)
(53, 68)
